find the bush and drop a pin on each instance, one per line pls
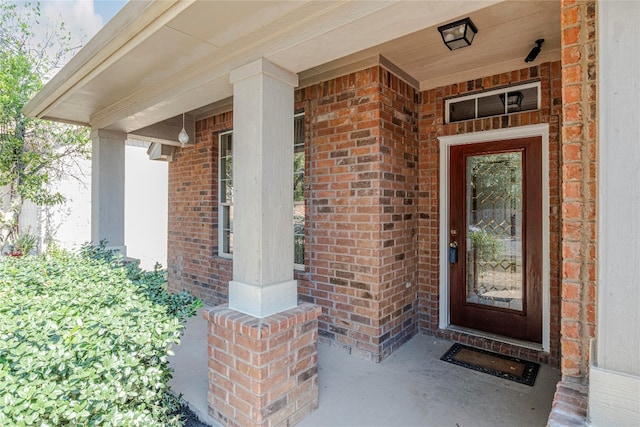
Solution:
(487, 245)
(84, 340)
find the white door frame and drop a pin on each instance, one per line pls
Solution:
(541, 130)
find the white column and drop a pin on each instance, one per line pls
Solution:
(107, 188)
(263, 281)
(614, 377)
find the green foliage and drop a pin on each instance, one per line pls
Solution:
(24, 243)
(487, 246)
(33, 152)
(298, 177)
(8, 228)
(84, 340)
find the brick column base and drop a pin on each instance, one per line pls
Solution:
(263, 372)
(569, 405)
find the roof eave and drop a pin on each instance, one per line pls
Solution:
(130, 26)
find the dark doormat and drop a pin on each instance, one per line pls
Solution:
(506, 367)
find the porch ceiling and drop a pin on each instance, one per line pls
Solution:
(155, 60)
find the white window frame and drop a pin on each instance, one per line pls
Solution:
(221, 206)
(479, 95)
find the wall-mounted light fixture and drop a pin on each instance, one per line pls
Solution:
(458, 34)
(535, 51)
(183, 136)
(513, 100)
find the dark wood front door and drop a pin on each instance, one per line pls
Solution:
(495, 227)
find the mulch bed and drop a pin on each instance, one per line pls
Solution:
(191, 420)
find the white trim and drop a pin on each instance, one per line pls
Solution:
(618, 199)
(262, 66)
(541, 130)
(109, 134)
(613, 396)
(263, 301)
(614, 373)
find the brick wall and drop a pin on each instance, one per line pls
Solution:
(579, 209)
(432, 126)
(579, 189)
(372, 206)
(361, 177)
(361, 210)
(399, 184)
(262, 372)
(192, 240)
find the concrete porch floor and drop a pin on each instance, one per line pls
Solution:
(412, 387)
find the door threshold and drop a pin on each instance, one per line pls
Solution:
(495, 337)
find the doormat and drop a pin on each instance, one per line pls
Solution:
(498, 365)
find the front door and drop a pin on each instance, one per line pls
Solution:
(495, 235)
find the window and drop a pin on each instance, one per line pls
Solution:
(226, 193)
(298, 191)
(519, 98)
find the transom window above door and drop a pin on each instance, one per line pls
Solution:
(512, 99)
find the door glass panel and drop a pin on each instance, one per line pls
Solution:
(494, 223)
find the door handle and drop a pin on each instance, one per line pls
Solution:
(453, 252)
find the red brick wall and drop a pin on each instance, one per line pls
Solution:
(361, 210)
(399, 184)
(579, 209)
(579, 186)
(432, 126)
(192, 258)
(361, 251)
(262, 372)
(372, 206)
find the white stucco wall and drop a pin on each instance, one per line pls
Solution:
(146, 198)
(70, 223)
(146, 204)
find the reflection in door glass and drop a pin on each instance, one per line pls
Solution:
(494, 224)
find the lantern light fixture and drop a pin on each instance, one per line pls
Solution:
(513, 101)
(183, 136)
(458, 34)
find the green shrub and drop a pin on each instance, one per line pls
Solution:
(24, 244)
(84, 340)
(487, 245)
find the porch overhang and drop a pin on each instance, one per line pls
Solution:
(156, 60)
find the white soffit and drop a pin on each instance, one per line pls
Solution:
(155, 60)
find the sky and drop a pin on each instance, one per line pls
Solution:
(82, 18)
